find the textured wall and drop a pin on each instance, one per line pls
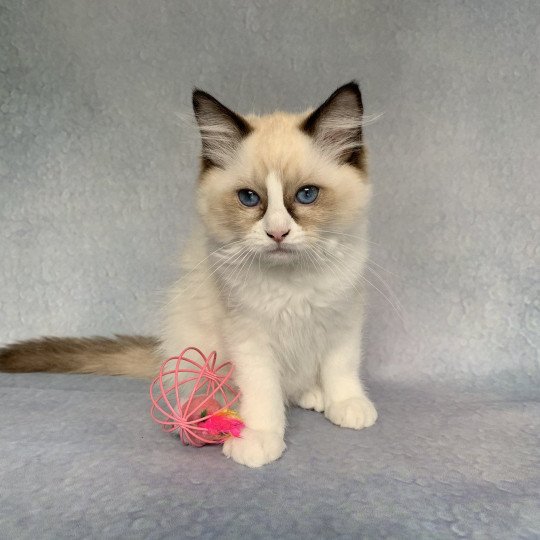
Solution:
(97, 167)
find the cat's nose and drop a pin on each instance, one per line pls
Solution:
(278, 236)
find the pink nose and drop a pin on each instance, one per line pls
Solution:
(278, 236)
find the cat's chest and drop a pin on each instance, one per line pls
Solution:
(288, 299)
(301, 318)
(295, 312)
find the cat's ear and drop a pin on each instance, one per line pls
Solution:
(336, 126)
(222, 130)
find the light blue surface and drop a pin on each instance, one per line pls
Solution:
(80, 458)
(97, 167)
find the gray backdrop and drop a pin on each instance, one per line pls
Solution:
(98, 163)
(98, 160)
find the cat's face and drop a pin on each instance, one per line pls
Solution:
(281, 184)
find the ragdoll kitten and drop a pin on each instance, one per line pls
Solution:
(272, 278)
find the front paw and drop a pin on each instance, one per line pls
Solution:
(254, 448)
(355, 413)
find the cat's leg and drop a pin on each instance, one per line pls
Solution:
(312, 399)
(346, 402)
(261, 406)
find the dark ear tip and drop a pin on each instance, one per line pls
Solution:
(351, 86)
(204, 103)
(197, 96)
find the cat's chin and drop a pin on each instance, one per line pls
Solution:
(281, 255)
(281, 251)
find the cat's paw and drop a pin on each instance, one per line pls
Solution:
(312, 399)
(254, 448)
(355, 413)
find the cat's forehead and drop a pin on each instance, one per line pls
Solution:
(276, 122)
(277, 144)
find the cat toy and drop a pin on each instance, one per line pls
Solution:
(194, 398)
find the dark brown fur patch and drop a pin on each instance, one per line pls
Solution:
(227, 210)
(133, 356)
(311, 216)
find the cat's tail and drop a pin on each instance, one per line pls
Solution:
(133, 356)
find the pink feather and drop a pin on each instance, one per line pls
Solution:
(223, 423)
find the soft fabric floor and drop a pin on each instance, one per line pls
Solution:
(80, 458)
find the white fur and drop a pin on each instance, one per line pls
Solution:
(276, 217)
(291, 323)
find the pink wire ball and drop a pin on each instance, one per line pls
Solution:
(202, 415)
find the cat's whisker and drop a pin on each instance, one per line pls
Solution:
(396, 309)
(370, 119)
(363, 238)
(303, 262)
(368, 265)
(234, 264)
(316, 264)
(238, 273)
(386, 286)
(343, 273)
(231, 270)
(187, 282)
(371, 261)
(366, 261)
(343, 263)
(340, 268)
(249, 267)
(353, 252)
(231, 260)
(321, 259)
(221, 248)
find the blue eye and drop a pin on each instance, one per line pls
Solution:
(248, 197)
(307, 194)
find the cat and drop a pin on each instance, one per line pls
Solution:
(271, 277)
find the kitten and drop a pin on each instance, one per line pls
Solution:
(272, 277)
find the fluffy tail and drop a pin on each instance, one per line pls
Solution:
(134, 356)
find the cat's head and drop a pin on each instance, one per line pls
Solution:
(282, 183)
